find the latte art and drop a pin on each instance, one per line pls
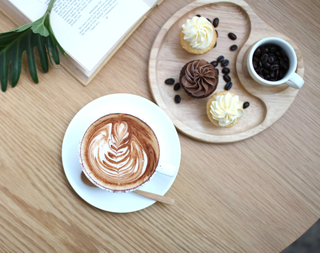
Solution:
(119, 152)
(115, 155)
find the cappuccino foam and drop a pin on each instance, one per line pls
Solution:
(119, 152)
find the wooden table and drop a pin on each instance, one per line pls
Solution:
(257, 195)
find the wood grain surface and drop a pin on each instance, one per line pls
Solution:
(256, 195)
(167, 57)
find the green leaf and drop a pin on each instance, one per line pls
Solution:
(22, 28)
(19, 29)
(52, 36)
(31, 57)
(42, 51)
(39, 27)
(30, 37)
(4, 70)
(6, 38)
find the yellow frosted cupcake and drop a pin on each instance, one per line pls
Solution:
(197, 35)
(224, 109)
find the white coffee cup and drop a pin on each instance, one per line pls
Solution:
(107, 137)
(291, 78)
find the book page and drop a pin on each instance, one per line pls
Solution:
(87, 29)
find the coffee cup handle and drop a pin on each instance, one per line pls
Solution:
(295, 81)
(167, 169)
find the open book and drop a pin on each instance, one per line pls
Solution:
(90, 31)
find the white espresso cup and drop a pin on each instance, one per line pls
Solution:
(291, 78)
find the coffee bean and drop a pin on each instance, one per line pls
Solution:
(220, 58)
(264, 58)
(215, 22)
(169, 81)
(256, 58)
(217, 33)
(232, 36)
(226, 78)
(209, 20)
(233, 47)
(274, 67)
(270, 59)
(257, 52)
(266, 65)
(215, 44)
(176, 86)
(225, 70)
(261, 71)
(217, 71)
(177, 99)
(214, 63)
(282, 73)
(228, 85)
(265, 50)
(198, 15)
(267, 77)
(265, 71)
(273, 49)
(281, 61)
(246, 105)
(225, 63)
(285, 58)
(272, 75)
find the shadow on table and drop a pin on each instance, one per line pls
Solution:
(309, 242)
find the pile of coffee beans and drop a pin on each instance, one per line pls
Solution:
(224, 63)
(270, 62)
(176, 87)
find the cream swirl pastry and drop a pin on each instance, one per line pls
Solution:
(199, 32)
(199, 78)
(226, 109)
(119, 152)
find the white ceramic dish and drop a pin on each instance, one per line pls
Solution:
(139, 107)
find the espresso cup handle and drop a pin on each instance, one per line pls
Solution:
(167, 169)
(295, 81)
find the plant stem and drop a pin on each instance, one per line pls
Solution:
(50, 6)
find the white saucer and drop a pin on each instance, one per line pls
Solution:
(146, 110)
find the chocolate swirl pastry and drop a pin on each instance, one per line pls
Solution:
(119, 152)
(199, 78)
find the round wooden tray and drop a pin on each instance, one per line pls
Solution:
(267, 104)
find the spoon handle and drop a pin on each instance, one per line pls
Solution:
(163, 199)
